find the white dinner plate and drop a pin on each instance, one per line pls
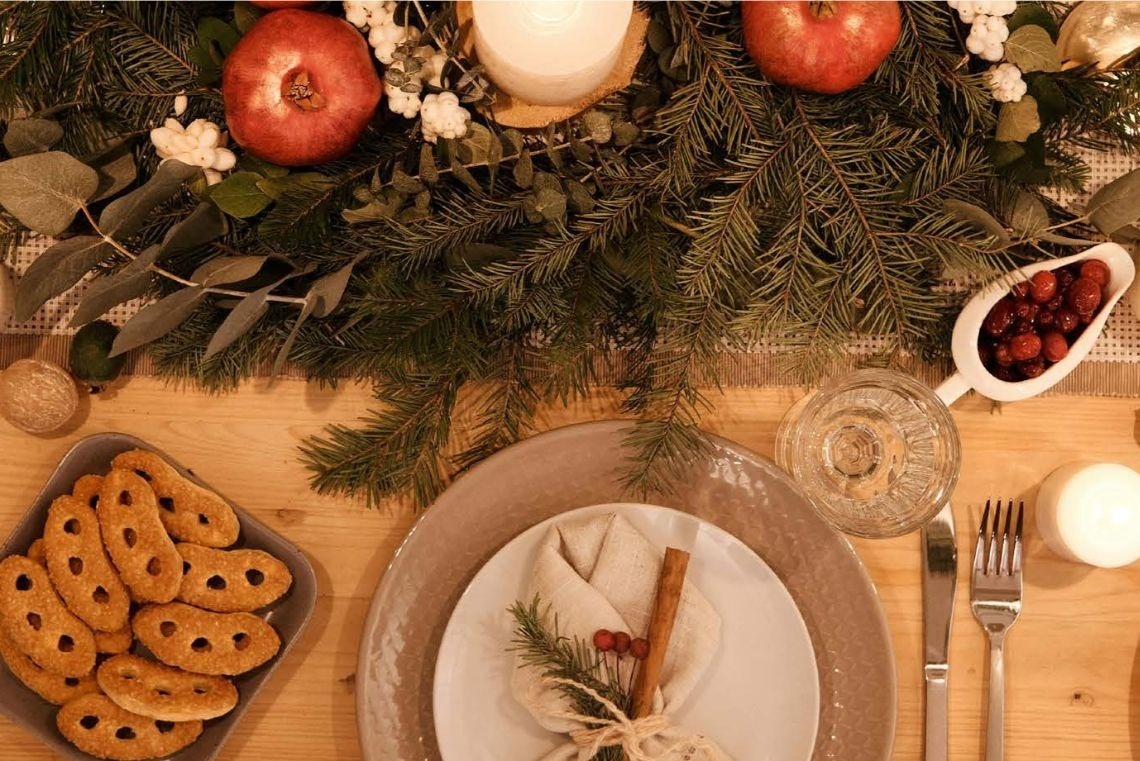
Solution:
(759, 698)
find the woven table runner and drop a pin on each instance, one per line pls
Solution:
(1112, 368)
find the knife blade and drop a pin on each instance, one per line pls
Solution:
(939, 580)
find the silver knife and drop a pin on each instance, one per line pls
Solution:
(939, 579)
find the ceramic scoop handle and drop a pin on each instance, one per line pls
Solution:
(952, 389)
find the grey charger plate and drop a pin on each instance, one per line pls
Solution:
(580, 465)
(289, 615)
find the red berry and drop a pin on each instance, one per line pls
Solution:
(639, 648)
(1043, 286)
(1005, 373)
(604, 640)
(1026, 310)
(1002, 355)
(1065, 278)
(1084, 296)
(1046, 318)
(1000, 318)
(1054, 346)
(621, 643)
(1024, 346)
(1020, 290)
(1032, 368)
(1096, 271)
(1055, 303)
(1067, 321)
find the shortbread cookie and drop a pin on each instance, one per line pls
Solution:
(51, 687)
(119, 641)
(87, 490)
(79, 568)
(95, 725)
(229, 581)
(138, 544)
(204, 642)
(164, 692)
(36, 552)
(189, 512)
(35, 619)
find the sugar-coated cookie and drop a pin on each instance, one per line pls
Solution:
(164, 692)
(98, 727)
(51, 687)
(136, 540)
(79, 568)
(37, 622)
(229, 581)
(204, 642)
(118, 641)
(189, 512)
(87, 490)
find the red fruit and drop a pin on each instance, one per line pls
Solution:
(1097, 271)
(639, 648)
(1002, 355)
(1054, 346)
(1067, 321)
(604, 640)
(1020, 290)
(1043, 286)
(1024, 346)
(1084, 296)
(274, 4)
(1031, 368)
(299, 88)
(622, 643)
(1000, 318)
(824, 47)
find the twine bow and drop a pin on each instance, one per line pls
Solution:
(629, 734)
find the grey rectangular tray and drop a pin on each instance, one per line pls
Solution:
(289, 615)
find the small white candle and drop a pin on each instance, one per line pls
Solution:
(1091, 513)
(549, 52)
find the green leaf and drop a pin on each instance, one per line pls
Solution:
(1116, 204)
(116, 170)
(474, 145)
(228, 269)
(512, 142)
(1031, 13)
(658, 36)
(156, 320)
(978, 217)
(283, 352)
(524, 171)
(1051, 103)
(598, 126)
(494, 158)
(239, 196)
(429, 172)
(1028, 215)
(1031, 48)
(202, 225)
(251, 163)
(1003, 154)
(281, 186)
(550, 203)
(57, 269)
(626, 133)
(44, 190)
(125, 215)
(26, 136)
(239, 322)
(105, 293)
(581, 202)
(1017, 121)
(405, 183)
(245, 15)
(463, 175)
(326, 292)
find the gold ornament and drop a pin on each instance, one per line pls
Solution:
(1099, 32)
(37, 396)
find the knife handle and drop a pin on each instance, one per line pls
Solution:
(936, 741)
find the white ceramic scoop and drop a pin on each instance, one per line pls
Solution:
(972, 374)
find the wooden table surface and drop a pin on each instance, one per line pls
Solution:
(1073, 661)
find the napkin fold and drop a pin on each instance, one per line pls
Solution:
(601, 573)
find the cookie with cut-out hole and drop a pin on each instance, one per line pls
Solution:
(80, 569)
(87, 490)
(98, 727)
(189, 512)
(139, 546)
(205, 642)
(164, 692)
(118, 641)
(53, 688)
(37, 622)
(230, 581)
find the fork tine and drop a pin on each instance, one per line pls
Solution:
(980, 545)
(992, 557)
(1017, 540)
(1005, 564)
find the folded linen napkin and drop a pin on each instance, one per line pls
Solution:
(601, 573)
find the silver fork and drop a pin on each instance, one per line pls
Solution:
(995, 599)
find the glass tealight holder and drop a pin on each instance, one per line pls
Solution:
(876, 452)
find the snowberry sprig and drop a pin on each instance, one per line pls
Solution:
(988, 32)
(1006, 83)
(200, 143)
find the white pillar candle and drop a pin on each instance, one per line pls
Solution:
(549, 52)
(1091, 513)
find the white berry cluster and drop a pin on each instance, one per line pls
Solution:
(201, 143)
(443, 117)
(1006, 82)
(378, 18)
(969, 9)
(987, 35)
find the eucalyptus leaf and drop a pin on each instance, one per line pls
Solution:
(1004, 154)
(250, 163)
(239, 321)
(57, 269)
(598, 126)
(494, 158)
(278, 187)
(326, 292)
(1116, 204)
(1017, 121)
(213, 31)
(156, 320)
(26, 136)
(239, 195)
(512, 141)
(117, 171)
(658, 36)
(373, 211)
(524, 171)
(228, 269)
(1031, 13)
(475, 144)
(581, 202)
(463, 175)
(429, 171)
(131, 282)
(202, 225)
(405, 183)
(245, 14)
(546, 181)
(1028, 215)
(550, 203)
(1030, 48)
(124, 216)
(44, 190)
(979, 218)
(287, 347)
(1065, 240)
(626, 133)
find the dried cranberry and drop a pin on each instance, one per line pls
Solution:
(1023, 326)
(1046, 318)
(1054, 346)
(985, 353)
(1065, 278)
(1055, 303)
(1026, 310)
(1032, 368)
(1043, 286)
(1002, 355)
(1024, 346)
(1005, 373)
(1020, 290)
(1096, 271)
(1000, 318)
(1067, 321)
(1083, 296)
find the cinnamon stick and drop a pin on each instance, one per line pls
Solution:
(669, 586)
